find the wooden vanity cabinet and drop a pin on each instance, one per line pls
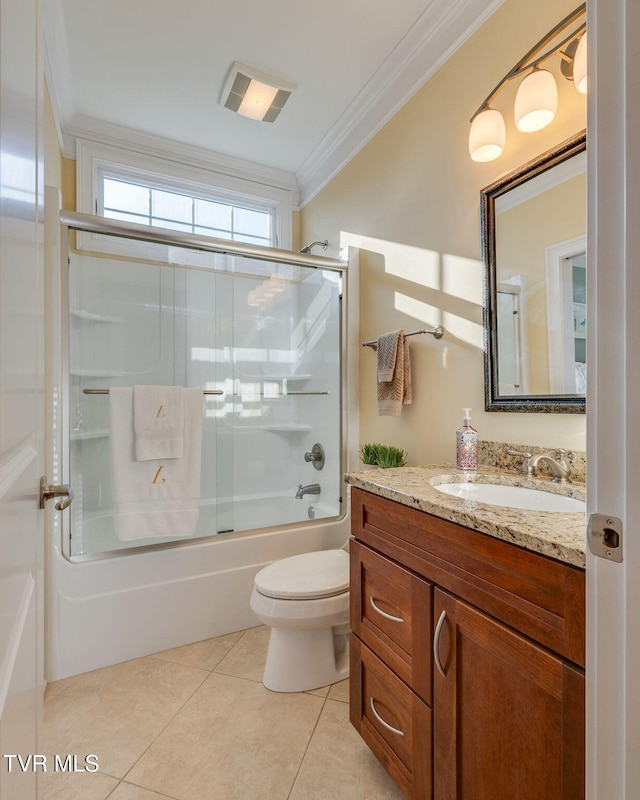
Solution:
(470, 683)
(390, 667)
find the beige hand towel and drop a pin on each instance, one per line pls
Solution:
(394, 374)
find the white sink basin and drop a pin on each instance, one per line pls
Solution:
(512, 496)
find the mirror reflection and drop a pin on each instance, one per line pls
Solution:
(534, 229)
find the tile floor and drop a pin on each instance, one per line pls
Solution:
(196, 723)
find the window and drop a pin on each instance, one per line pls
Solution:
(148, 205)
(132, 186)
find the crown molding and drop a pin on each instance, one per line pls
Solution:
(108, 133)
(441, 29)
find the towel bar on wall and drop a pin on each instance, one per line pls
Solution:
(437, 333)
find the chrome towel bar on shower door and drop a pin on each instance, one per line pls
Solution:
(106, 391)
(217, 391)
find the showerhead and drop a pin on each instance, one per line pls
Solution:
(307, 249)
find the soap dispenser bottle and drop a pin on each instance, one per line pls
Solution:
(467, 445)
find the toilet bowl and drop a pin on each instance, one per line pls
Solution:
(305, 601)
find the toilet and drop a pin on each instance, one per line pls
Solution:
(305, 601)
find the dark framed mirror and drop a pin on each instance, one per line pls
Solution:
(533, 224)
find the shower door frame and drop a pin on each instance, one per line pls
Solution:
(86, 223)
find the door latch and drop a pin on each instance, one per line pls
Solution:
(604, 534)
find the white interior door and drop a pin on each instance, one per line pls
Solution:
(21, 411)
(613, 295)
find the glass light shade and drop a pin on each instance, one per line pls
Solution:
(257, 100)
(487, 135)
(580, 66)
(536, 101)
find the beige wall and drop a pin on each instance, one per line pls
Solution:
(295, 231)
(69, 184)
(410, 200)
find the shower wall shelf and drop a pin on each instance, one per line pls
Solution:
(274, 427)
(287, 427)
(88, 316)
(94, 373)
(278, 377)
(83, 435)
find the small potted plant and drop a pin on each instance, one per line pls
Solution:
(369, 455)
(383, 456)
(390, 456)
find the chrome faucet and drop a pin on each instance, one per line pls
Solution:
(560, 467)
(312, 488)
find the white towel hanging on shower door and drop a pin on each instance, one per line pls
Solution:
(158, 422)
(159, 497)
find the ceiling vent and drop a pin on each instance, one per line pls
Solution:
(254, 94)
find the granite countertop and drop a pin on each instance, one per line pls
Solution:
(559, 535)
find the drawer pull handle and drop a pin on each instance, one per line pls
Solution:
(384, 613)
(436, 643)
(397, 731)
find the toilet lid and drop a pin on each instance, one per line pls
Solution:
(310, 575)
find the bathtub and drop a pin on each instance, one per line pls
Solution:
(134, 603)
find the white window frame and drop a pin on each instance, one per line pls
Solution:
(94, 160)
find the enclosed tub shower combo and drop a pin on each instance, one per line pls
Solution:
(248, 342)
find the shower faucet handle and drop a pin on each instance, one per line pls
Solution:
(315, 456)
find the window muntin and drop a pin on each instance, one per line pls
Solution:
(159, 206)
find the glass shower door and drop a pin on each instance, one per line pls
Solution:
(131, 322)
(262, 340)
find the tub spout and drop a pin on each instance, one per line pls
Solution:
(312, 488)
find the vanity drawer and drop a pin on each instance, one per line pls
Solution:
(391, 613)
(539, 596)
(392, 720)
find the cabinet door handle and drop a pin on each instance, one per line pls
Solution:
(384, 613)
(397, 731)
(436, 644)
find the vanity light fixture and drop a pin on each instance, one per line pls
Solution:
(536, 100)
(253, 93)
(580, 66)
